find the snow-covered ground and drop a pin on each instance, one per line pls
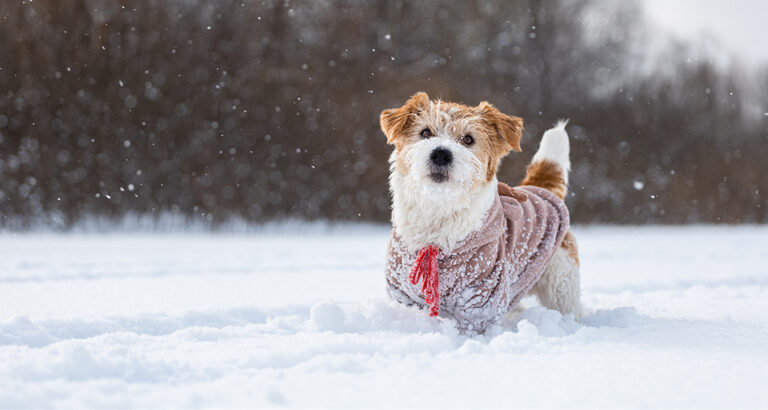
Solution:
(678, 317)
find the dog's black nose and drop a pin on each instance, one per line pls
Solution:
(441, 157)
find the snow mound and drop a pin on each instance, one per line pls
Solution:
(674, 318)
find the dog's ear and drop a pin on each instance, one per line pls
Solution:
(395, 121)
(508, 128)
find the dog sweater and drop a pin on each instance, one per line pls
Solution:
(488, 272)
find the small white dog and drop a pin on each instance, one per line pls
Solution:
(478, 246)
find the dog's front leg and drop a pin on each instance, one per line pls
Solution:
(398, 295)
(477, 319)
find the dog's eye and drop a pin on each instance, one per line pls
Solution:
(468, 140)
(426, 133)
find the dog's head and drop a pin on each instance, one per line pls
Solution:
(448, 146)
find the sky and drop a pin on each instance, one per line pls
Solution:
(738, 25)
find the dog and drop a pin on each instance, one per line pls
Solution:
(463, 244)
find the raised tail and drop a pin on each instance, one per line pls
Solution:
(549, 167)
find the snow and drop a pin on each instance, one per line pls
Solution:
(278, 319)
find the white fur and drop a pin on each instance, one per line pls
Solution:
(554, 146)
(425, 212)
(559, 286)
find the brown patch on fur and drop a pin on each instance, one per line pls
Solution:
(569, 244)
(396, 122)
(548, 175)
(506, 190)
(508, 128)
(507, 131)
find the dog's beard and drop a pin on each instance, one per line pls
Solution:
(439, 176)
(450, 183)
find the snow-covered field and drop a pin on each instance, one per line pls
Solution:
(678, 317)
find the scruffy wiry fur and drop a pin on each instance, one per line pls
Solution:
(427, 212)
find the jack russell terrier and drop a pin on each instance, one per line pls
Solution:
(463, 244)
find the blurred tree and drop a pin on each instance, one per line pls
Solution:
(211, 110)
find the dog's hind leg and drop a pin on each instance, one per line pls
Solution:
(559, 287)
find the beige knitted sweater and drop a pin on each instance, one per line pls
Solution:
(487, 273)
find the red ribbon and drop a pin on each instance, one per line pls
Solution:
(425, 269)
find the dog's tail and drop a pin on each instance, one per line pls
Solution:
(549, 167)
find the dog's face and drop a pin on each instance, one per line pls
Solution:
(449, 147)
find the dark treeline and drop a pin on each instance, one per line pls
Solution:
(261, 110)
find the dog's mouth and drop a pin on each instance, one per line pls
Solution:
(438, 176)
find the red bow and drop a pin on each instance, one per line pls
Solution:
(425, 269)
